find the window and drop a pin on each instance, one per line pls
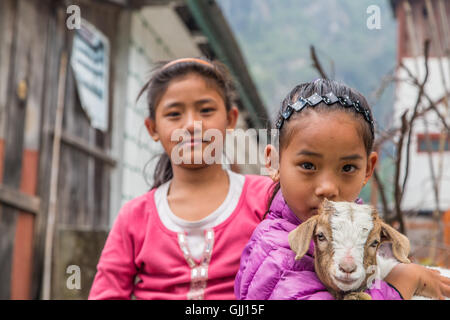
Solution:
(431, 141)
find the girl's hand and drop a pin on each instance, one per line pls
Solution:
(432, 284)
(413, 279)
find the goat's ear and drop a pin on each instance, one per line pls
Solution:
(400, 243)
(300, 237)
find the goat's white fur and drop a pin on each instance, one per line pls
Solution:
(350, 227)
(385, 260)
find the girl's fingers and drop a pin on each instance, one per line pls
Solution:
(445, 289)
(436, 272)
(445, 280)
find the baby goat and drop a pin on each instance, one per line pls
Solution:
(346, 237)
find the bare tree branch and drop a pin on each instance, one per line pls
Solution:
(398, 191)
(316, 63)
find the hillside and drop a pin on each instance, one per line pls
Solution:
(275, 36)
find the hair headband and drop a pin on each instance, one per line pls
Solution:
(173, 62)
(328, 99)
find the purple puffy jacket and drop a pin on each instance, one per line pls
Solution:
(269, 270)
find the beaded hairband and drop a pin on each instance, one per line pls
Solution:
(328, 99)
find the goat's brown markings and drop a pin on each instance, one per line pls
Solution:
(370, 253)
(324, 253)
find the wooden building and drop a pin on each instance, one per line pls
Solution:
(418, 21)
(60, 174)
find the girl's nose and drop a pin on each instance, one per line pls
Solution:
(327, 189)
(192, 124)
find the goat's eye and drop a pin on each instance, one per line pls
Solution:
(321, 237)
(375, 243)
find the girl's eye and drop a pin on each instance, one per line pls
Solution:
(172, 114)
(307, 166)
(349, 168)
(207, 110)
(321, 237)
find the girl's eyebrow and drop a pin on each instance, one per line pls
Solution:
(352, 157)
(309, 153)
(180, 104)
(173, 104)
(318, 155)
(203, 101)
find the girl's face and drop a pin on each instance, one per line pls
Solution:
(324, 158)
(189, 107)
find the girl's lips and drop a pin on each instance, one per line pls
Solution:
(191, 142)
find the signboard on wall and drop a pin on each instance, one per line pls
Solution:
(90, 63)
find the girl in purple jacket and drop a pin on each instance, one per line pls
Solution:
(326, 133)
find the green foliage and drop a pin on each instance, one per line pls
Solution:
(275, 36)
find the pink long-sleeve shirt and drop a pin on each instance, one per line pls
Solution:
(140, 245)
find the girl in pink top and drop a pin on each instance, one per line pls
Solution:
(184, 238)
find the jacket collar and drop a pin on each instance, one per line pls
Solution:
(280, 210)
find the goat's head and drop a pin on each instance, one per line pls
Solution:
(346, 237)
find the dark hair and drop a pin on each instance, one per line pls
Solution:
(215, 73)
(323, 87)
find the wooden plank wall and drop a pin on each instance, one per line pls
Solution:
(32, 45)
(57, 41)
(84, 181)
(33, 34)
(22, 62)
(86, 207)
(421, 25)
(7, 217)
